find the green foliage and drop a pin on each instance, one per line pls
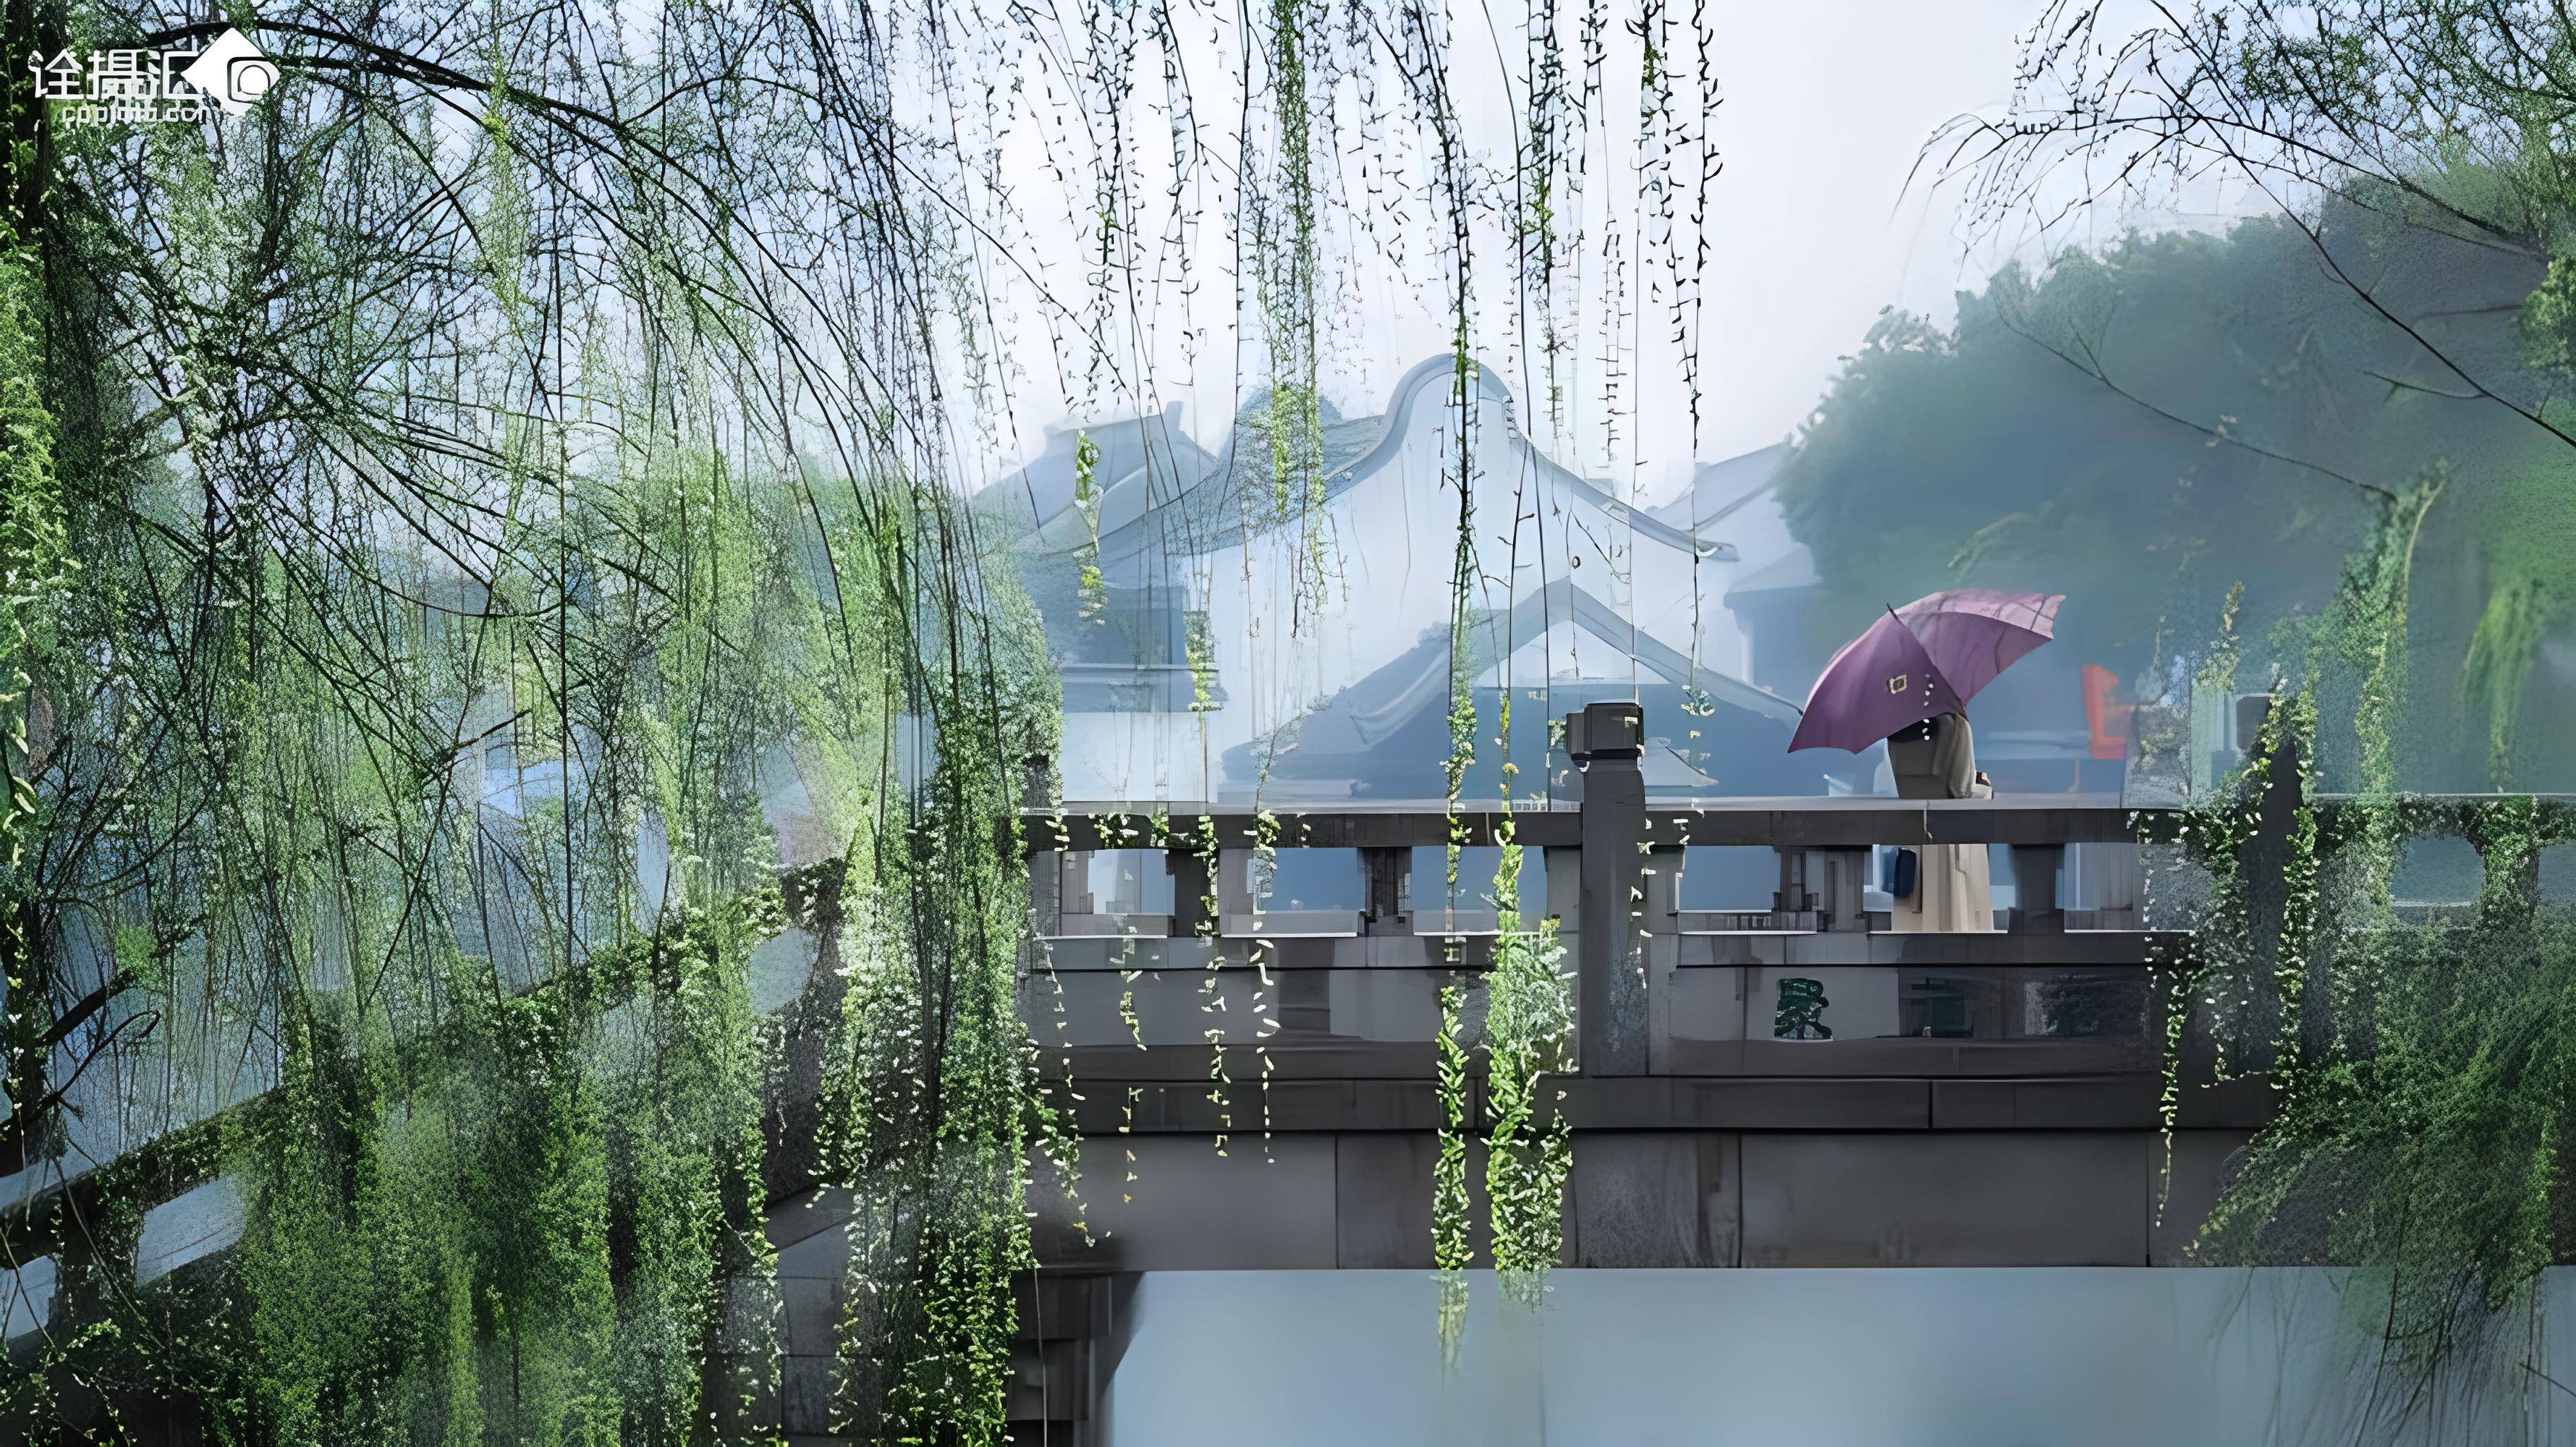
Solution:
(934, 1092)
(501, 541)
(1528, 1037)
(464, 586)
(1453, 1246)
(1198, 650)
(2432, 1152)
(507, 1184)
(35, 557)
(489, 1207)
(2422, 1066)
(1529, 1032)
(2501, 655)
(1086, 498)
(36, 565)
(2548, 317)
(685, 1149)
(404, 1245)
(1288, 252)
(2402, 328)
(2143, 428)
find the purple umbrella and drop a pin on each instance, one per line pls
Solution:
(1924, 659)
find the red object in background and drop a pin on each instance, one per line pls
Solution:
(2108, 722)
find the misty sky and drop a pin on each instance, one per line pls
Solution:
(1813, 229)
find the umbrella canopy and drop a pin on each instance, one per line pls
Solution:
(1922, 660)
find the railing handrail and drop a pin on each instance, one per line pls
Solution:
(1847, 822)
(1844, 821)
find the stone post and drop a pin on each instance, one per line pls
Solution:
(1607, 740)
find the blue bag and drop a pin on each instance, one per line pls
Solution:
(1904, 870)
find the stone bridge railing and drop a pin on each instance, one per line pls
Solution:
(1985, 1098)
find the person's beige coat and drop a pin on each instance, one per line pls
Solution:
(1952, 892)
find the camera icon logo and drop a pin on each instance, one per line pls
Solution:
(232, 72)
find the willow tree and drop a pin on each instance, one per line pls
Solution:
(2413, 147)
(445, 506)
(454, 504)
(2423, 1066)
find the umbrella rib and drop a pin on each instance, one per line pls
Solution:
(1927, 660)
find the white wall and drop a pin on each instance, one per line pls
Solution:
(1388, 544)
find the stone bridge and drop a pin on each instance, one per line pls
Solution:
(1984, 1099)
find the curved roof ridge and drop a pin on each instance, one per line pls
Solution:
(1392, 425)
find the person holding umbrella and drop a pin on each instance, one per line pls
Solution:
(1907, 681)
(1953, 890)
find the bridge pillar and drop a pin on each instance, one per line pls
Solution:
(1607, 740)
(1191, 889)
(1383, 872)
